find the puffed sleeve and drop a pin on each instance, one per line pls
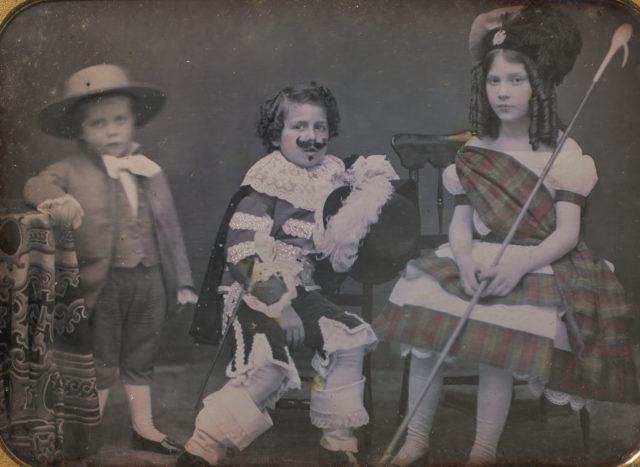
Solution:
(452, 185)
(573, 174)
(253, 216)
(251, 249)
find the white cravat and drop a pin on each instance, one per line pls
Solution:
(124, 168)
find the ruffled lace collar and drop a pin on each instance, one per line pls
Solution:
(305, 188)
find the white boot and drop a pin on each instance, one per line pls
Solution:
(229, 419)
(338, 411)
(103, 396)
(139, 399)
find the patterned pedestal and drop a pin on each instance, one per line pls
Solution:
(48, 398)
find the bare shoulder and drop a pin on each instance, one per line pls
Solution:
(480, 142)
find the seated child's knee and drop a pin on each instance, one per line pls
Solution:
(352, 353)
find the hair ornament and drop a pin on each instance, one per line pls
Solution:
(545, 34)
(499, 37)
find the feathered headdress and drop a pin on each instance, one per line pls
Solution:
(549, 37)
(371, 225)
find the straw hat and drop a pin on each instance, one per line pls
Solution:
(57, 117)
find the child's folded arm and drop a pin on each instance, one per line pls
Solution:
(65, 210)
(49, 184)
(47, 192)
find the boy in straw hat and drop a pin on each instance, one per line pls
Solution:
(132, 257)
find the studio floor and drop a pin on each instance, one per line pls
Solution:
(528, 439)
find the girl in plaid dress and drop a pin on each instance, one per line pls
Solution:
(552, 313)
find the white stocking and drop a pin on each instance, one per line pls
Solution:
(103, 395)
(347, 369)
(139, 398)
(346, 372)
(494, 398)
(418, 430)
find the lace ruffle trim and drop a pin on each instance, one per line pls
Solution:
(349, 420)
(240, 251)
(244, 221)
(304, 188)
(298, 228)
(282, 251)
(535, 384)
(537, 388)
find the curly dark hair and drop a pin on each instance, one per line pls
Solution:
(544, 123)
(272, 112)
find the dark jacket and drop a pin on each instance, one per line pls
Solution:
(84, 177)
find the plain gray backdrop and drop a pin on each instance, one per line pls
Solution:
(393, 65)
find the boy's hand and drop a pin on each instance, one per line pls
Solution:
(185, 299)
(65, 211)
(186, 295)
(291, 324)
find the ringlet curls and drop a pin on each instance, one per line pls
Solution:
(546, 41)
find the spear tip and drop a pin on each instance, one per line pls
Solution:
(621, 39)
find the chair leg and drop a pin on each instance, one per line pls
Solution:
(367, 315)
(543, 409)
(368, 403)
(404, 391)
(585, 427)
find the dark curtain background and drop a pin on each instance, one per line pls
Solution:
(394, 66)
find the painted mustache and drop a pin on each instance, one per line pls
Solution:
(311, 144)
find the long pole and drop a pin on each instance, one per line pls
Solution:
(620, 39)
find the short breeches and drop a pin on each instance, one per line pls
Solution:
(126, 325)
(340, 340)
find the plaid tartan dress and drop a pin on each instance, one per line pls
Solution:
(566, 327)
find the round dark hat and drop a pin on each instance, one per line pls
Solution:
(56, 118)
(544, 33)
(391, 241)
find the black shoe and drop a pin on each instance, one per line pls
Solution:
(328, 458)
(186, 459)
(166, 446)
